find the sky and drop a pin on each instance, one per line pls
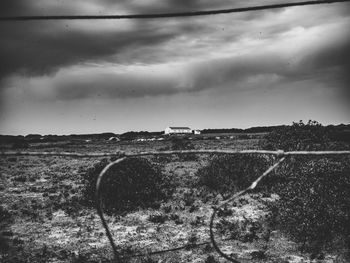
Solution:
(222, 71)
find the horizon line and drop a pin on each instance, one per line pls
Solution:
(100, 133)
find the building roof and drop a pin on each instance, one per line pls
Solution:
(180, 128)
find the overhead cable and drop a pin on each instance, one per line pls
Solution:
(168, 15)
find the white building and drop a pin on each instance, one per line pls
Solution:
(196, 132)
(113, 139)
(177, 130)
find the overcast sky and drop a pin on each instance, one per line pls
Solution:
(232, 70)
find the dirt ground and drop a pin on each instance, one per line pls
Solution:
(42, 220)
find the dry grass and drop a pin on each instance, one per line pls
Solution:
(43, 220)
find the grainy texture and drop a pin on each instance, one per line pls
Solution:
(41, 194)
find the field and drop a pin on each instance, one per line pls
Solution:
(43, 219)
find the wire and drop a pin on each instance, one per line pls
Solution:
(235, 196)
(278, 153)
(169, 15)
(123, 156)
(281, 154)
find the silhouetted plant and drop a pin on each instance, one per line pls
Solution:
(299, 136)
(314, 202)
(314, 192)
(127, 185)
(231, 173)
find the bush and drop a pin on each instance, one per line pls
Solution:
(314, 203)
(211, 259)
(20, 144)
(314, 192)
(178, 144)
(231, 173)
(299, 136)
(157, 218)
(4, 214)
(132, 183)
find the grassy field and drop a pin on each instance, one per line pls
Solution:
(43, 220)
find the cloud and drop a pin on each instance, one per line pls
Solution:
(318, 54)
(39, 48)
(179, 55)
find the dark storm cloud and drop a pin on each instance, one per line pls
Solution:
(324, 62)
(41, 48)
(38, 48)
(35, 49)
(147, 73)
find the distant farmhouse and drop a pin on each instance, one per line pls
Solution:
(113, 139)
(180, 130)
(177, 130)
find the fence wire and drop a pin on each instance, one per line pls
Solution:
(122, 156)
(279, 153)
(170, 15)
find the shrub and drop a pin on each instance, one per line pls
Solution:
(178, 143)
(157, 218)
(244, 230)
(299, 136)
(314, 203)
(20, 144)
(176, 218)
(161, 159)
(4, 214)
(231, 173)
(12, 159)
(314, 192)
(130, 184)
(211, 259)
(192, 240)
(20, 178)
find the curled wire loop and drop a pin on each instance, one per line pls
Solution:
(124, 155)
(99, 205)
(98, 200)
(234, 197)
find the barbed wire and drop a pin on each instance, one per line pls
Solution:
(169, 15)
(124, 155)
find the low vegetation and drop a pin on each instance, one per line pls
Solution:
(314, 204)
(227, 174)
(314, 192)
(300, 211)
(178, 144)
(130, 184)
